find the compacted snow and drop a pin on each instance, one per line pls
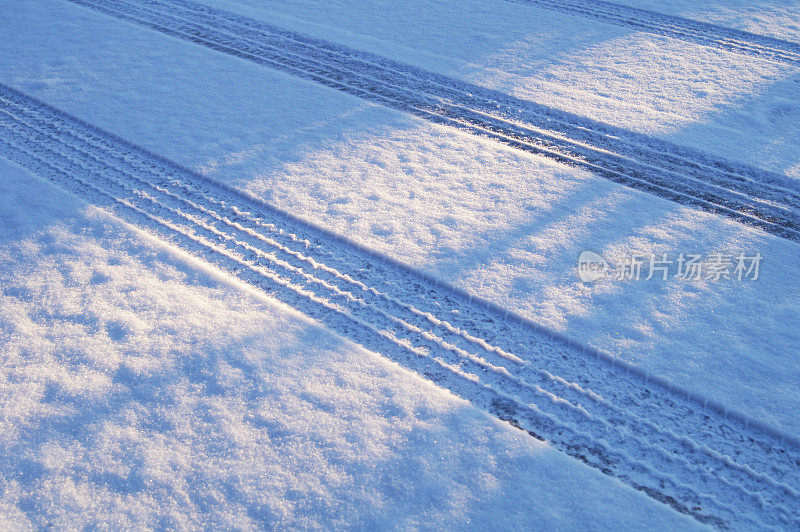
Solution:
(142, 387)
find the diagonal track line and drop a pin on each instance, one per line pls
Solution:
(752, 196)
(694, 31)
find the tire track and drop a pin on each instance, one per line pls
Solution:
(721, 469)
(694, 31)
(750, 195)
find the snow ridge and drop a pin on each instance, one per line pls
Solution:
(694, 31)
(719, 467)
(749, 195)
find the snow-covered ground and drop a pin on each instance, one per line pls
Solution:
(140, 388)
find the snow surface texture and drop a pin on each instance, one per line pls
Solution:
(780, 18)
(501, 224)
(733, 105)
(478, 352)
(413, 190)
(140, 390)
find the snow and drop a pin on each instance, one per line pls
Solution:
(504, 225)
(139, 389)
(780, 19)
(735, 106)
(142, 389)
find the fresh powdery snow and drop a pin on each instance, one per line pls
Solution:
(334, 264)
(140, 388)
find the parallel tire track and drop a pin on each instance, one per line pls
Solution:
(688, 30)
(750, 195)
(720, 468)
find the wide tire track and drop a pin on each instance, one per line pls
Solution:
(694, 31)
(752, 196)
